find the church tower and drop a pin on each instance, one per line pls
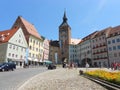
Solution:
(64, 39)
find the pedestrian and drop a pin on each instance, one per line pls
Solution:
(87, 66)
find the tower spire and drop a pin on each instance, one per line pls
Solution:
(64, 17)
(64, 23)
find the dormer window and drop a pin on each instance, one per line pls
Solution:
(8, 33)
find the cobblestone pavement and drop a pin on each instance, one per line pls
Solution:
(60, 79)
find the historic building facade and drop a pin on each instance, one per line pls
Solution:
(13, 46)
(34, 40)
(64, 39)
(54, 52)
(46, 49)
(99, 48)
(113, 42)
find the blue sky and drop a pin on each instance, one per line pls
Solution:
(84, 16)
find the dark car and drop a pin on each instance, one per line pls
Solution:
(7, 66)
(13, 65)
(51, 66)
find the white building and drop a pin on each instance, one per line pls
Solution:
(13, 46)
(73, 50)
(85, 50)
(113, 42)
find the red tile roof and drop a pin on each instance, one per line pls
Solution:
(114, 31)
(30, 29)
(7, 34)
(103, 32)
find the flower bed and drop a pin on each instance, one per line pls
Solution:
(113, 77)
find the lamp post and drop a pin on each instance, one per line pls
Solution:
(86, 63)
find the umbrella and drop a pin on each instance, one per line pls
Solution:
(48, 62)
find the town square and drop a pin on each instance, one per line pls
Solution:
(60, 45)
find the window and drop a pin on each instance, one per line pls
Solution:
(119, 54)
(10, 46)
(19, 41)
(14, 47)
(115, 54)
(118, 46)
(34, 42)
(110, 49)
(17, 48)
(30, 47)
(16, 55)
(21, 49)
(29, 54)
(99, 38)
(118, 40)
(109, 42)
(113, 41)
(33, 56)
(19, 35)
(9, 54)
(12, 55)
(37, 49)
(114, 47)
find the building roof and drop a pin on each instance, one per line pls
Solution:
(114, 31)
(54, 43)
(75, 41)
(90, 36)
(64, 23)
(103, 32)
(21, 22)
(7, 34)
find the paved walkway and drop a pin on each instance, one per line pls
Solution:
(60, 79)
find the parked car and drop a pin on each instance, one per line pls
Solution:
(51, 66)
(7, 66)
(13, 65)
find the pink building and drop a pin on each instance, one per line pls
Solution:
(46, 49)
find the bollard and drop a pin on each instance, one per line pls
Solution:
(80, 72)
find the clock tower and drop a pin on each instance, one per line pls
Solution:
(64, 39)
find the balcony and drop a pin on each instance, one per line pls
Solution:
(99, 46)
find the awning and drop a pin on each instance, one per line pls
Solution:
(35, 60)
(47, 62)
(30, 59)
(41, 61)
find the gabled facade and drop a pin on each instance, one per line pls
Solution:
(34, 40)
(13, 46)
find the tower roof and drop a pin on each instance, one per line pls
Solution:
(64, 23)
